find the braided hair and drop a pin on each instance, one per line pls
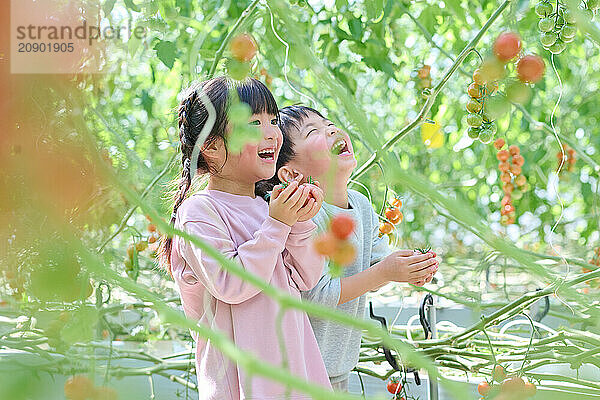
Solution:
(192, 118)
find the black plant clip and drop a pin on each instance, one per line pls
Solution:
(424, 323)
(388, 354)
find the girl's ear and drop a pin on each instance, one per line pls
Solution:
(286, 174)
(213, 149)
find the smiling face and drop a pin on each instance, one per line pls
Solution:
(322, 150)
(256, 161)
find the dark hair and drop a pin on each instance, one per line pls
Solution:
(193, 115)
(289, 117)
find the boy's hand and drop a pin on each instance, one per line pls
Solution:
(286, 203)
(314, 202)
(409, 266)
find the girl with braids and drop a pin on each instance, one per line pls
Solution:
(270, 240)
(315, 147)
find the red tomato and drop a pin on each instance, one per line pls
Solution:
(499, 374)
(530, 389)
(393, 386)
(483, 388)
(243, 47)
(507, 46)
(342, 225)
(325, 244)
(396, 202)
(392, 213)
(530, 68)
(499, 143)
(514, 150)
(503, 155)
(344, 253)
(78, 387)
(386, 228)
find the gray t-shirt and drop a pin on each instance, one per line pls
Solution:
(340, 344)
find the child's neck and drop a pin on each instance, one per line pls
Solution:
(337, 193)
(230, 186)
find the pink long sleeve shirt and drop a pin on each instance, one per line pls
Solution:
(240, 228)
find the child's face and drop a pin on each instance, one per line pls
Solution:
(256, 161)
(321, 148)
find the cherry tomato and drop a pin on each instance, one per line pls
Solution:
(507, 46)
(342, 225)
(483, 388)
(499, 374)
(78, 387)
(393, 386)
(386, 228)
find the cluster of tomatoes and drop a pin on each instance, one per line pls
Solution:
(481, 124)
(334, 243)
(393, 216)
(80, 387)
(506, 387)
(485, 105)
(243, 49)
(422, 79)
(267, 76)
(514, 183)
(571, 159)
(395, 387)
(138, 247)
(557, 26)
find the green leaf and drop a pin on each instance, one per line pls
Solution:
(108, 6)
(242, 133)
(166, 52)
(130, 4)
(374, 9)
(356, 28)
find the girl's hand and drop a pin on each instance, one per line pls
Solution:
(286, 203)
(409, 266)
(313, 205)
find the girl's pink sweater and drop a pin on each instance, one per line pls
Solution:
(240, 228)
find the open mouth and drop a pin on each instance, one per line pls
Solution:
(340, 147)
(267, 154)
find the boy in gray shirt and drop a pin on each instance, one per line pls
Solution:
(314, 147)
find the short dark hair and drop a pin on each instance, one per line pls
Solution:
(289, 117)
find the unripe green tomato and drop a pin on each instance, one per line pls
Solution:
(474, 120)
(568, 31)
(569, 16)
(486, 135)
(492, 127)
(548, 38)
(473, 132)
(546, 24)
(588, 13)
(473, 106)
(557, 47)
(516, 194)
(565, 39)
(518, 92)
(487, 118)
(544, 9)
(496, 106)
